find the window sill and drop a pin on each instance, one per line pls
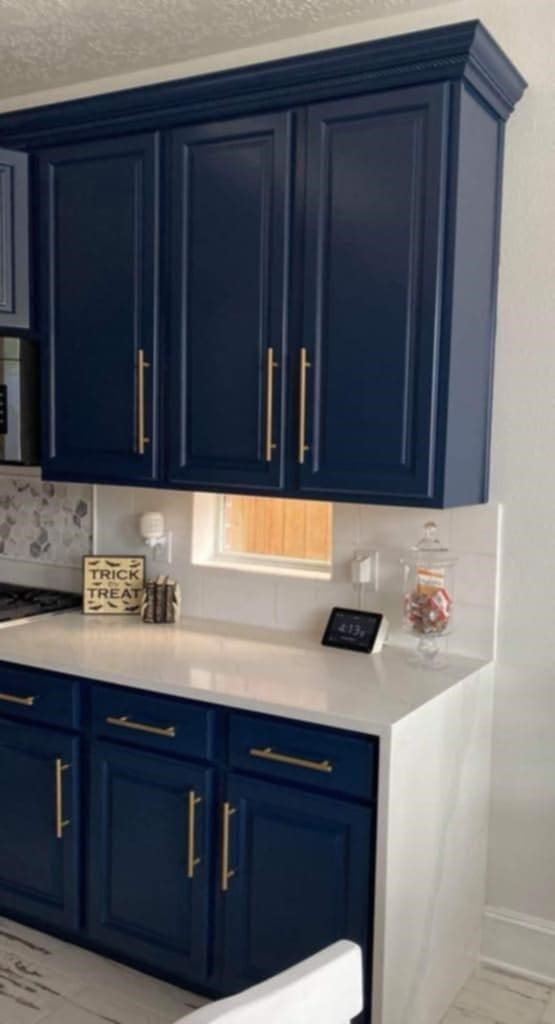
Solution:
(265, 568)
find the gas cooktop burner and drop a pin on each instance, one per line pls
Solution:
(18, 602)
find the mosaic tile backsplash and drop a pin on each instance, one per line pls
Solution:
(45, 522)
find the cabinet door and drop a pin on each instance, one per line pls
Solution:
(150, 859)
(303, 877)
(39, 824)
(98, 301)
(230, 210)
(14, 240)
(376, 168)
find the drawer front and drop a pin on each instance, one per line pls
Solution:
(39, 696)
(318, 757)
(161, 723)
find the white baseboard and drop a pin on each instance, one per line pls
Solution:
(519, 944)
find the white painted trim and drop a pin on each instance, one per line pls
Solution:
(519, 944)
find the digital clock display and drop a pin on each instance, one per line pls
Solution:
(352, 630)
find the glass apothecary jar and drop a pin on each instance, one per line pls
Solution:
(428, 597)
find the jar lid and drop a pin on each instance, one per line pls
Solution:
(429, 550)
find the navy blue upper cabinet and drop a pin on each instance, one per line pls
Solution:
(150, 859)
(329, 248)
(39, 824)
(99, 267)
(230, 213)
(402, 225)
(298, 875)
(14, 240)
(376, 188)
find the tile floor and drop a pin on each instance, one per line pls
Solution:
(46, 981)
(491, 997)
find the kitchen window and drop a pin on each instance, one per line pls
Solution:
(286, 536)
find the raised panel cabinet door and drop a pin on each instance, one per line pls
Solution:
(99, 274)
(298, 869)
(150, 859)
(230, 213)
(368, 369)
(14, 240)
(39, 824)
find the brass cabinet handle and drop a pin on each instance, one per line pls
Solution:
(141, 366)
(61, 822)
(192, 861)
(156, 730)
(267, 754)
(227, 872)
(305, 365)
(11, 698)
(271, 365)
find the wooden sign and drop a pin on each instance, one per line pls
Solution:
(113, 585)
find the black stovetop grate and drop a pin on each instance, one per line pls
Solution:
(18, 602)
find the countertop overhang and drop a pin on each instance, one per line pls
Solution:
(253, 669)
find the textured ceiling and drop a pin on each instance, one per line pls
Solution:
(49, 43)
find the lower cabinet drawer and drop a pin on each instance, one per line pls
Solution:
(324, 758)
(146, 720)
(36, 696)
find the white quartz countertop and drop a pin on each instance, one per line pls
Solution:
(258, 670)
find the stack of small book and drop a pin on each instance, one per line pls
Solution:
(161, 600)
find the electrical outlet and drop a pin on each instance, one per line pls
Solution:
(163, 552)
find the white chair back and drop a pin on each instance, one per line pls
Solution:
(324, 989)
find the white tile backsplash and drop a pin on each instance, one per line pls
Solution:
(225, 590)
(475, 577)
(303, 605)
(474, 530)
(383, 526)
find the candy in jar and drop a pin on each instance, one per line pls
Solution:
(428, 601)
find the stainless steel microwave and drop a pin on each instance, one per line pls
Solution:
(19, 401)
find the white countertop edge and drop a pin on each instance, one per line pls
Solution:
(83, 647)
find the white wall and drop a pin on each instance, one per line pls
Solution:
(522, 860)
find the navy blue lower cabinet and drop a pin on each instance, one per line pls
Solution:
(150, 859)
(297, 872)
(39, 825)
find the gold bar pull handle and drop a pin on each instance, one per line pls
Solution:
(192, 861)
(141, 366)
(123, 722)
(11, 698)
(61, 822)
(304, 366)
(271, 365)
(267, 754)
(227, 872)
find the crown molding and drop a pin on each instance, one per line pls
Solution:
(464, 51)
